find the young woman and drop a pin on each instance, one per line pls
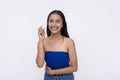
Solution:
(57, 49)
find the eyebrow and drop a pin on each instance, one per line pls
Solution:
(53, 19)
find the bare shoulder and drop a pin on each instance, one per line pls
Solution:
(70, 47)
(69, 41)
(45, 40)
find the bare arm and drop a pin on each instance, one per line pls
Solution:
(40, 48)
(73, 61)
(40, 54)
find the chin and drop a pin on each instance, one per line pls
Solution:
(54, 31)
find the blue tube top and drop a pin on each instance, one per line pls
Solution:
(56, 59)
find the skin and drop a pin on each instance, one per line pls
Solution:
(58, 43)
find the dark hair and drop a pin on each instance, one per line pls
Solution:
(64, 28)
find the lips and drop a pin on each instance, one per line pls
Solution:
(54, 28)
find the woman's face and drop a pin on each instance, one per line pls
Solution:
(55, 23)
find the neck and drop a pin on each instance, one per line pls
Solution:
(56, 36)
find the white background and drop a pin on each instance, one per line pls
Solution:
(94, 25)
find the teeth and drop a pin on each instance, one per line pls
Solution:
(54, 28)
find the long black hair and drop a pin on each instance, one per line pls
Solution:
(64, 28)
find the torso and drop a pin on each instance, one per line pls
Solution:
(56, 45)
(57, 52)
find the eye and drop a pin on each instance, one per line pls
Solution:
(50, 20)
(58, 21)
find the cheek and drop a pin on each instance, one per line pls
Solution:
(60, 25)
(49, 24)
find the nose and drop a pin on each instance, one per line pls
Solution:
(54, 23)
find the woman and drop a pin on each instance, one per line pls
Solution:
(58, 50)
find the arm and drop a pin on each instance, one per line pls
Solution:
(40, 54)
(73, 61)
(40, 48)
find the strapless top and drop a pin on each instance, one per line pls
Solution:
(56, 59)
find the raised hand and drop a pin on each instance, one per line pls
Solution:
(41, 33)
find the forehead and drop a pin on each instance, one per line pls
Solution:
(55, 16)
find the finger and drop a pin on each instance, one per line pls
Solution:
(39, 29)
(40, 33)
(40, 26)
(46, 67)
(43, 31)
